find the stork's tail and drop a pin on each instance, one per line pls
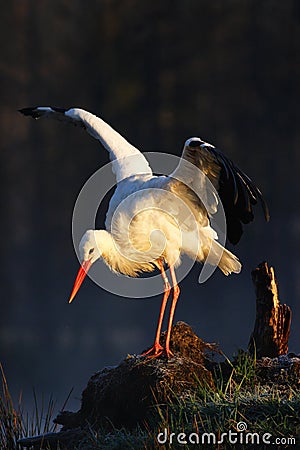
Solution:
(228, 262)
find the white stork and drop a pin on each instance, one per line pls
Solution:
(134, 176)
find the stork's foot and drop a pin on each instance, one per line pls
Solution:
(156, 351)
(168, 353)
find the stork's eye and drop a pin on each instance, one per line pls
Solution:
(91, 251)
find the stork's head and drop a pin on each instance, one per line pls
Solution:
(89, 252)
(88, 247)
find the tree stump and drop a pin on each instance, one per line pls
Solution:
(273, 320)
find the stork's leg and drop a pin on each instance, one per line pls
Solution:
(157, 349)
(176, 292)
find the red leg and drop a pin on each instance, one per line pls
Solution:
(157, 349)
(176, 292)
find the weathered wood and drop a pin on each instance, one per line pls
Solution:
(65, 440)
(273, 320)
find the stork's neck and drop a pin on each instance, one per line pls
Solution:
(127, 160)
(115, 258)
(105, 243)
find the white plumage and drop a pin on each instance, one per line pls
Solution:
(151, 221)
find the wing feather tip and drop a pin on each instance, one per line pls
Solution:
(38, 111)
(266, 212)
(27, 111)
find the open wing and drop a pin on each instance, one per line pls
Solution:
(127, 160)
(236, 190)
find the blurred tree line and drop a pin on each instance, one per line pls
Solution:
(158, 72)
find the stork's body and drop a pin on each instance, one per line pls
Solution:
(151, 221)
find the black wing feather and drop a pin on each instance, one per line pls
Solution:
(38, 112)
(238, 194)
(237, 191)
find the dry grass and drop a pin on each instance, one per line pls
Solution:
(16, 424)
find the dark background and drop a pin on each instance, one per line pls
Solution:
(158, 72)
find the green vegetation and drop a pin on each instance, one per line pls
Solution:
(240, 398)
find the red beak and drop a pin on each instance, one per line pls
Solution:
(85, 266)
